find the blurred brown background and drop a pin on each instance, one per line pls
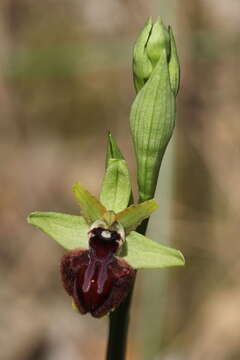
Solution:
(65, 80)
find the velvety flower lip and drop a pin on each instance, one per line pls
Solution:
(96, 278)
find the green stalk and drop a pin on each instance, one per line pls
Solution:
(119, 321)
(118, 330)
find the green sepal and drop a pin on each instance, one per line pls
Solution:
(69, 231)
(131, 217)
(142, 67)
(174, 67)
(113, 151)
(143, 253)
(91, 208)
(152, 121)
(116, 187)
(158, 42)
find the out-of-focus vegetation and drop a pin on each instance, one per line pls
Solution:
(65, 80)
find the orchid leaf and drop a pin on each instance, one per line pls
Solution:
(69, 231)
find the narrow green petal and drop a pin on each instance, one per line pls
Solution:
(91, 208)
(143, 253)
(116, 187)
(69, 231)
(131, 217)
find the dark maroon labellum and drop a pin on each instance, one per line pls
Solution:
(97, 280)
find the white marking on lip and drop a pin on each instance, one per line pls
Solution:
(106, 234)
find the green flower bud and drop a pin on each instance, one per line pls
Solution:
(152, 117)
(153, 41)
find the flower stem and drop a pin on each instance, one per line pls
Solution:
(118, 330)
(119, 321)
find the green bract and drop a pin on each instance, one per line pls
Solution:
(113, 151)
(116, 187)
(71, 231)
(152, 117)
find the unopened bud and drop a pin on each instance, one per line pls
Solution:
(152, 118)
(155, 41)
